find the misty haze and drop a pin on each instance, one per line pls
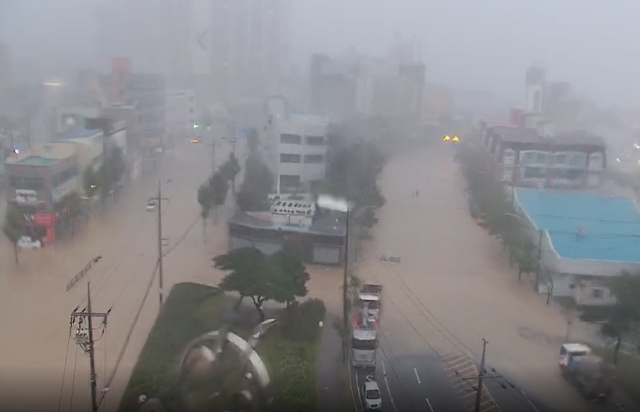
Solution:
(274, 205)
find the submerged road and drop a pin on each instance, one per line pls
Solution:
(452, 288)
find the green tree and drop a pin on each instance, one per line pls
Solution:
(251, 274)
(219, 187)
(111, 172)
(90, 182)
(12, 228)
(294, 276)
(205, 199)
(256, 186)
(72, 204)
(230, 170)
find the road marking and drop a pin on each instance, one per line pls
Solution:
(384, 371)
(386, 382)
(417, 377)
(429, 403)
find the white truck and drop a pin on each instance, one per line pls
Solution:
(364, 337)
(370, 301)
(364, 344)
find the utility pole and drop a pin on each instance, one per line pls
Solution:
(85, 339)
(540, 234)
(480, 376)
(213, 156)
(345, 294)
(161, 241)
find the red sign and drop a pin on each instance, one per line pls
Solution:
(121, 65)
(44, 219)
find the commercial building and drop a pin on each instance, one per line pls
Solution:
(148, 90)
(294, 223)
(89, 146)
(530, 152)
(294, 147)
(128, 113)
(38, 179)
(180, 114)
(585, 239)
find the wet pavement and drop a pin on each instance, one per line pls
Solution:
(454, 287)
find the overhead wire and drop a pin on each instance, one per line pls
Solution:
(128, 337)
(73, 380)
(64, 369)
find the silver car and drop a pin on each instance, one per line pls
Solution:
(371, 398)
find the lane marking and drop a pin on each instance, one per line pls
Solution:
(386, 382)
(417, 377)
(384, 371)
(429, 403)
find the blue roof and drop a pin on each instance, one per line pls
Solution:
(79, 132)
(610, 225)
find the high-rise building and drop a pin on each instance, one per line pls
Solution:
(249, 46)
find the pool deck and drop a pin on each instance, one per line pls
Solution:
(609, 225)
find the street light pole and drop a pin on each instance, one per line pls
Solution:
(480, 377)
(345, 295)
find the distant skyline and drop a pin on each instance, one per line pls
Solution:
(469, 44)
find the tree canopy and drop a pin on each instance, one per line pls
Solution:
(12, 228)
(280, 277)
(256, 186)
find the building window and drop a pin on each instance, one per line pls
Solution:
(597, 294)
(530, 172)
(290, 138)
(289, 183)
(313, 159)
(596, 161)
(315, 140)
(508, 157)
(63, 176)
(26, 183)
(289, 158)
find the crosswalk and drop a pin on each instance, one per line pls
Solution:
(463, 373)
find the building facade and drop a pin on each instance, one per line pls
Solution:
(38, 180)
(523, 157)
(148, 91)
(89, 146)
(180, 114)
(294, 147)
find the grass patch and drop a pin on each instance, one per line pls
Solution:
(191, 310)
(627, 372)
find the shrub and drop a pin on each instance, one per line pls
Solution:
(301, 320)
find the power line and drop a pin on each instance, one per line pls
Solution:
(128, 337)
(64, 370)
(73, 380)
(182, 237)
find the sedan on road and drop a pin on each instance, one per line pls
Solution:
(151, 205)
(371, 398)
(25, 242)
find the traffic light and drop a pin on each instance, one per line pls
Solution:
(446, 138)
(196, 125)
(455, 139)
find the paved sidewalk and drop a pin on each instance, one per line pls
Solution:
(332, 389)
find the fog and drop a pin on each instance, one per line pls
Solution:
(466, 43)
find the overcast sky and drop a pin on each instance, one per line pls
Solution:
(479, 44)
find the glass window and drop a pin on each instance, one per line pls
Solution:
(289, 158)
(290, 138)
(508, 157)
(313, 159)
(529, 172)
(358, 344)
(315, 140)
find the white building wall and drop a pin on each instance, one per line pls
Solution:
(180, 113)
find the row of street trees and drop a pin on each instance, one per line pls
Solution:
(213, 193)
(488, 200)
(106, 179)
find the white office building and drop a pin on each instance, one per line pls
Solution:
(180, 113)
(294, 147)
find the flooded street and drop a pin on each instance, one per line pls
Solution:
(454, 285)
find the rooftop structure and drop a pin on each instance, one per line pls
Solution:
(44, 155)
(584, 226)
(79, 133)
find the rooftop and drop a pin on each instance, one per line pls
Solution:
(79, 133)
(332, 224)
(47, 154)
(585, 226)
(526, 135)
(314, 119)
